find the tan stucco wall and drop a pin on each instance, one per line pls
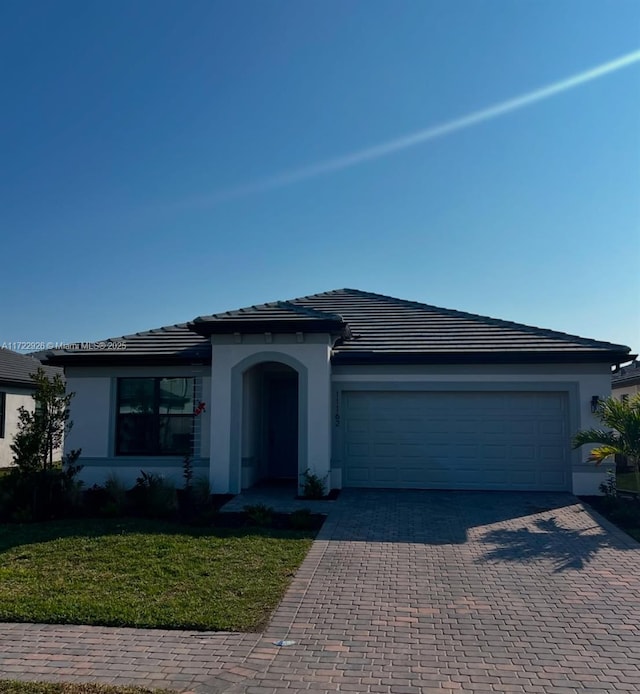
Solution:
(15, 399)
(630, 390)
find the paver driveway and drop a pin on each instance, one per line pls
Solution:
(434, 591)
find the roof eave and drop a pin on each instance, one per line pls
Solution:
(602, 357)
(112, 359)
(17, 383)
(623, 383)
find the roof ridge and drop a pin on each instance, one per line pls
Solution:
(228, 312)
(286, 304)
(308, 311)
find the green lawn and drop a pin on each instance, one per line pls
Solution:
(627, 480)
(14, 687)
(138, 573)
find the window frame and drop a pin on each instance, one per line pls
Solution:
(156, 416)
(3, 413)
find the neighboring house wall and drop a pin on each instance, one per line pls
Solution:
(14, 398)
(626, 381)
(618, 391)
(93, 413)
(579, 381)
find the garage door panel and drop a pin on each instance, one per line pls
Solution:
(385, 474)
(522, 478)
(413, 474)
(356, 450)
(550, 453)
(467, 438)
(439, 477)
(355, 424)
(409, 450)
(551, 477)
(549, 426)
(522, 426)
(456, 440)
(384, 426)
(438, 450)
(411, 426)
(494, 452)
(467, 425)
(476, 477)
(435, 426)
(358, 476)
(493, 426)
(382, 450)
(462, 451)
(523, 452)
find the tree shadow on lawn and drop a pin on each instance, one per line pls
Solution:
(567, 548)
(15, 535)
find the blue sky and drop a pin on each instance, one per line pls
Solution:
(124, 126)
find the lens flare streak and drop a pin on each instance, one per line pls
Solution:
(417, 138)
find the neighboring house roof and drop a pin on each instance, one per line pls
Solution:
(626, 376)
(16, 368)
(370, 328)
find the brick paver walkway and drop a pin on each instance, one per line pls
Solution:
(403, 592)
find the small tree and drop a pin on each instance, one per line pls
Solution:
(42, 431)
(622, 436)
(39, 488)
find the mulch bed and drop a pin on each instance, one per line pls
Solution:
(279, 521)
(331, 496)
(623, 511)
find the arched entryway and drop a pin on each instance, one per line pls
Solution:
(270, 440)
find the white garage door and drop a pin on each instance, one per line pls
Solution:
(456, 440)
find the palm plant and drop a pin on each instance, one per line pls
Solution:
(622, 436)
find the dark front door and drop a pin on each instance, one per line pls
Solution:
(282, 427)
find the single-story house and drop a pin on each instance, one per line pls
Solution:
(361, 389)
(625, 382)
(16, 391)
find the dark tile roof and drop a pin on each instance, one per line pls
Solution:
(382, 325)
(627, 375)
(15, 368)
(170, 343)
(372, 327)
(279, 316)
(278, 310)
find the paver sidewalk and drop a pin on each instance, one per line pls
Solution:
(147, 657)
(403, 592)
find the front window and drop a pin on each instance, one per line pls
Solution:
(155, 416)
